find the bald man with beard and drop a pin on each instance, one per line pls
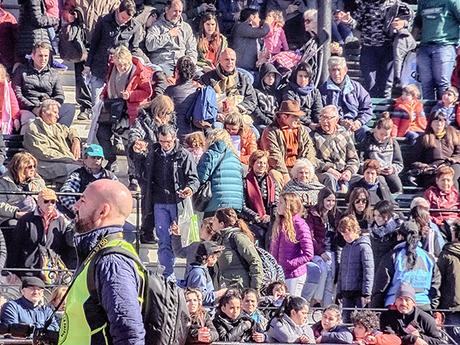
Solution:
(100, 214)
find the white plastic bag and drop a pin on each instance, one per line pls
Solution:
(188, 223)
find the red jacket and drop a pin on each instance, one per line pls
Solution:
(442, 200)
(139, 88)
(8, 30)
(408, 117)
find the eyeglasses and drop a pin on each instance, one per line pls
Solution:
(360, 201)
(49, 201)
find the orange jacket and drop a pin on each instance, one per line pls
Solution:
(248, 144)
(408, 117)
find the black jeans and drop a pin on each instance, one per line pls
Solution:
(82, 91)
(377, 70)
(104, 137)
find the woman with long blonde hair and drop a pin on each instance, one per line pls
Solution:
(291, 244)
(220, 165)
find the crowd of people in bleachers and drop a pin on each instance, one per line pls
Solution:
(300, 189)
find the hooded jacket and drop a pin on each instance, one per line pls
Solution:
(233, 331)
(449, 266)
(268, 97)
(356, 271)
(339, 334)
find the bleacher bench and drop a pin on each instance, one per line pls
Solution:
(13, 144)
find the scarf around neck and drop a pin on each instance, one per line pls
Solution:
(227, 83)
(255, 199)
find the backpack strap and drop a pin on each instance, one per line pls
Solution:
(91, 277)
(234, 247)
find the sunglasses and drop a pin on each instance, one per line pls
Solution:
(360, 201)
(49, 201)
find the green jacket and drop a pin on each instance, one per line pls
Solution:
(232, 270)
(439, 21)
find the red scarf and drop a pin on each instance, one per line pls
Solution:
(255, 200)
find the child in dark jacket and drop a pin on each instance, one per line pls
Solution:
(383, 230)
(329, 330)
(356, 270)
(202, 330)
(448, 105)
(365, 330)
(268, 96)
(231, 324)
(198, 276)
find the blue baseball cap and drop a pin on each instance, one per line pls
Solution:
(94, 150)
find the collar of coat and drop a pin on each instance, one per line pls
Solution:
(347, 87)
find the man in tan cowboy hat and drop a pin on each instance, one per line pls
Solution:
(287, 140)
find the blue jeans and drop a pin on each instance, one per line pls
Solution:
(435, 63)
(412, 136)
(96, 85)
(340, 32)
(377, 70)
(164, 215)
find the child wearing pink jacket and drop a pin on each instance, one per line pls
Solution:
(275, 41)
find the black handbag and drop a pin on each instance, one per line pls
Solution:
(203, 195)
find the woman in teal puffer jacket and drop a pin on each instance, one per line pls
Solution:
(221, 165)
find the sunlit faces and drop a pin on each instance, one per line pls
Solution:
(328, 121)
(33, 294)
(349, 236)
(303, 175)
(329, 202)
(193, 302)
(407, 97)
(232, 308)
(40, 58)
(50, 113)
(382, 134)
(438, 124)
(173, 13)
(302, 79)
(260, 166)
(448, 98)
(405, 305)
(300, 317)
(292, 121)
(249, 303)
(370, 175)
(330, 319)
(338, 73)
(167, 142)
(228, 61)
(210, 27)
(269, 79)
(30, 170)
(379, 219)
(360, 203)
(359, 331)
(123, 17)
(232, 129)
(445, 182)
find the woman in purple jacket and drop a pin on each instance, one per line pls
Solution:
(291, 242)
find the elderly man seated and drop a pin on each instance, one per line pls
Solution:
(30, 307)
(56, 147)
(337, 159)
(287, 140)
(91, 171)
(349, 96)
(234, 88)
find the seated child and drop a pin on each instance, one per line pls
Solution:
(198, 276)
(275, 41)
(276, 292)
(249, 306)
(365, 330)
(408, 116)
(449, 107)
(231, 324)
(329, 330)
(290, 323)
(202, 329)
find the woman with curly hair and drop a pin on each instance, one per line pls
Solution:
(291, 244)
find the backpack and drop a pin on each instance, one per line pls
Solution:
(72, 39)
(53, 269)
(271, 270)
(204, 107)
(164, 311)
